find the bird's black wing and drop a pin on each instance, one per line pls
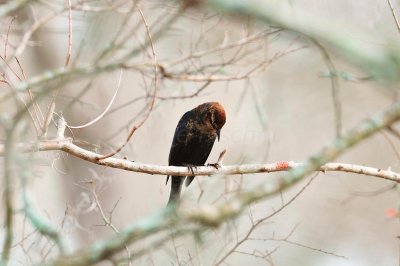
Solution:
(178, 147)
(179, 141)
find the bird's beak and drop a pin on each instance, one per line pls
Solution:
(218, 133)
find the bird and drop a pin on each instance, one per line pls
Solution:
(193, 140)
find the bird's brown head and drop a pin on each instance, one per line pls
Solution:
(212, 116)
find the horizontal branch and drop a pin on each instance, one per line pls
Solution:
(69, 147)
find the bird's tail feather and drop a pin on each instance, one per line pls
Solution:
(176, 187)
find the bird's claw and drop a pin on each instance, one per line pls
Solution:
(215, 165)
(190, 167)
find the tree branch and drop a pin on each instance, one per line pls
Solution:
(67, 146)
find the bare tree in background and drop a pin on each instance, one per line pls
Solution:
(91, 86)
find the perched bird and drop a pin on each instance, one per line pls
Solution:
(193, 140)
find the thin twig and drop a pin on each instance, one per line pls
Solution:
(394, 15)
(35, 105)
(107, 108)
(6, 41)
(68, 57)
(337, 107)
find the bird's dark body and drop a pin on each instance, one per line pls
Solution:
(191, 145)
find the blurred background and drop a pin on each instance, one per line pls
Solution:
(277, 94)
